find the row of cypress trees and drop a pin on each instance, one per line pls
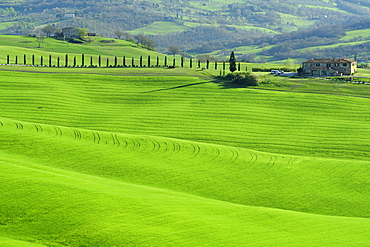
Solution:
(100, 62)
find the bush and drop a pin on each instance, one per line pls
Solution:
(107, 41)
(244, 79)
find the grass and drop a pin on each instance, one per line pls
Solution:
(160, 157)
(356, 33)
(160, 28)
(5, 25)
(19, 45)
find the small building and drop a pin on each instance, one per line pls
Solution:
(328, 67)
(70, 32)
(69, 16)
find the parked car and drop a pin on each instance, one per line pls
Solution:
(276, 72)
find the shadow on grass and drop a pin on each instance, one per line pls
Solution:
(172, 88)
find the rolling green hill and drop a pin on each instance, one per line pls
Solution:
(159, 157)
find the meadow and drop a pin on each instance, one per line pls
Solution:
(173, 157)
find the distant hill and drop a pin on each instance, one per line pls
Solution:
(197, 27)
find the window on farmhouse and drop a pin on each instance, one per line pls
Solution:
(344, 64)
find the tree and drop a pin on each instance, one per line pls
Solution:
(118, 33)
(40, 39)
(232, 62)
(145, 41)
(173, 49)
(82, 32)
(49, 29)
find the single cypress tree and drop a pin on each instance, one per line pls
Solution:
(16, 59)
(33, 60)
(182, 62)
(107, 62)
(191, 63)
(207, 64)
(148, 61)
(66, 60)
(215, 65)
(198, 64)
(49, 60)
(238, 66)
(41, 60)
(24, 59)
(58, 61)
(83, 60)
(132, 62)
(232, 62)
(141, 61)
(157, 61)
(115, 61)
(7, 59)
(124, 61)
(165, 61)
(91, 61)
(99, 61)
(74, 61)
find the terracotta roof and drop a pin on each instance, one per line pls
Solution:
(325, 60)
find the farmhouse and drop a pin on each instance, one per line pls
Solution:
(70, 32)
(328, 67)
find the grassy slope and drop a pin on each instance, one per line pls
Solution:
(126, 185)
(18, 46)
(160, 28)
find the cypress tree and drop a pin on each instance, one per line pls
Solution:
(182, 62)
(207, 64)
(83, 60)
(7, 59)
(191, 63)
(99, 61)
(157, 61)
(91, 61)
(141, 61)
(115, 61)
(215, 65)
(58, 61)
(107, 65)
(16, 59)
(148, 61)
(132, 62)
(124, 61)
(66, 60)
(49, 60)
(33, 60)
(198, 64)
(174, 62)
(74, 61)
(24, 59)
(165, 61)
(238, 66)
(41, 60)
(232, 62)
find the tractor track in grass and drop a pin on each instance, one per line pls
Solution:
(335, 94)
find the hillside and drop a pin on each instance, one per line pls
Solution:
(200, 27)
(152, 156)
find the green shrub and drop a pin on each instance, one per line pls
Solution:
(243, 78)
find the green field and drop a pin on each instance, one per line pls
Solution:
(356, 33)
(161, 157)
(160, 28)
(20, 45)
